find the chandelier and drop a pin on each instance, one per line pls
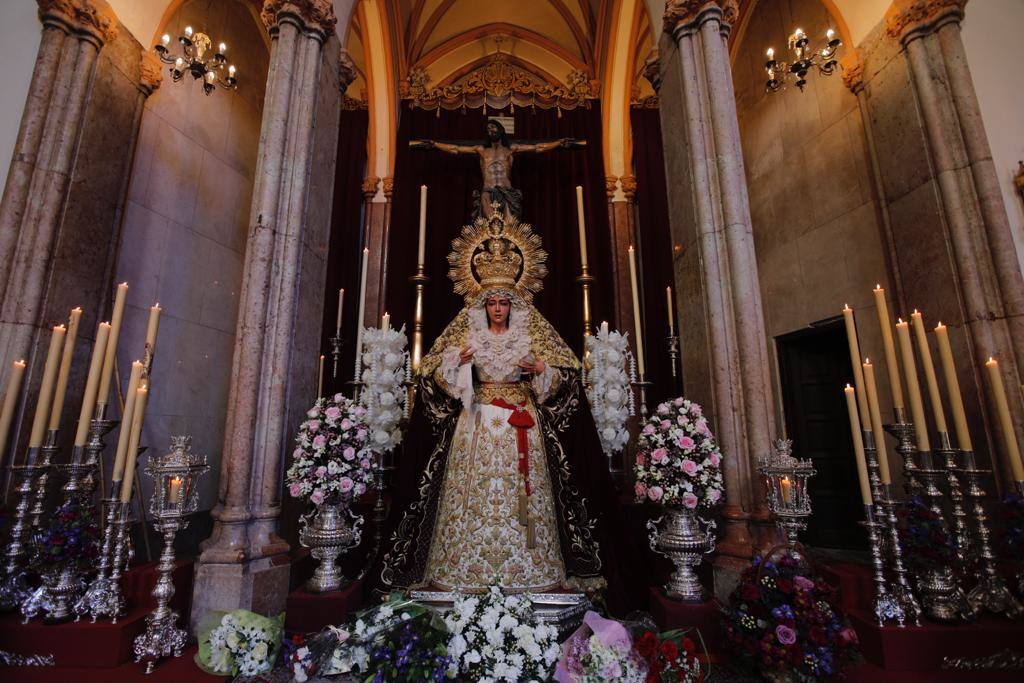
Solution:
(804, 59)
(196, 60)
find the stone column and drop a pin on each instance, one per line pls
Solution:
(245, 563)
(37, 183)
(376, 233)
(724, 345)
(622, 225)
(989, 282)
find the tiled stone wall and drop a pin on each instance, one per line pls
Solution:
(185, 231)
(819, 239)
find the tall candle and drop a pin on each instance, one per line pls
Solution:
(92, 383)
(121, 454)
(956, 401)
(929, 372)
(858, 373)
(604, 327)
(320, 378)
(385, 321)
(423, 227)
(889, 348)
(636, 311)
(858, 446)
(362, 314)
(1005, 422)
(671, 320)
(10, 402)
(111, 351)
(582, 225)
(152, 327)
(913, 387)
(876, 423)
(43, 403)
(341, 304)
(65, 369)
(132, 456)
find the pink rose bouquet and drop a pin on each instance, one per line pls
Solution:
(332, 452)
(678, 461)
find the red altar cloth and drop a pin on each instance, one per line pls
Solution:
(705, 617)
(308, 612)
(174, 670)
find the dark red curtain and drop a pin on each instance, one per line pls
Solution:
(345, 248)
(548, 182)
(655, 250)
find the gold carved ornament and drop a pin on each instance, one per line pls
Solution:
(497, 252)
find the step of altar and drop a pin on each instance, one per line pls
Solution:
(563, 610)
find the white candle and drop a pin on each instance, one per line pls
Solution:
(423, 226)
(858, 372)
(876, 423)
(65, 369)
(636, 312)
(341, 302)
(141, 396)
(671, 319)
(174, 492)
(604, 327)
(111, 351)
(889, 347)
(47, 387)
(127, 415)
(10, 402)
(92, 383)
(956, 403)
(152, 327)
(362, 314)
(1005, 421)
(582, 225)
(385, 321)
(858, 446)
(320, 378)
(913, 386)
(929, 372)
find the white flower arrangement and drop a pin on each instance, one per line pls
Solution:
(240, 643)
(497, 637)
(385, 371)
(332, 457)
(678, 461)
(609, 388)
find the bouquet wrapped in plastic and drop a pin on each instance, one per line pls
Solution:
(238, 642)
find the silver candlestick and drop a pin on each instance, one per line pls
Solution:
(642, 385)
(956, 500)
(14, 587)
(673, 356)
(991, 592)
(886, 607)
(47, 453)
(903, 431)
(788, 496)
(901, 590)
(103, 597)
(175, 496)
(337, 343)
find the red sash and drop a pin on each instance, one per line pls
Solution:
(522, 421)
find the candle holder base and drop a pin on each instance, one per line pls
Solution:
(161, 639)
(942, 599)
(992, 594)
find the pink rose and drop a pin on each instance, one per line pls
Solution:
(715, 459)
(364, 463)
(319, 441)
(689, 467)
(349, 453)
(313, 425)
(360, 411)
(659, 456)
(333, 413)
(295, 490)
(297, 453)
(663, 409)
(690, 500)
(714, 495)
(648, 430)
(361, 435)
(654, 493)
(640, 460)
(317, 497)
(339, 397)
(346, 423)
(686, 443)
(640, 490)
(664, 426)
(803, 583)
(702, 427)
(785, 634)
(321, 471)
(313, 412)
(346, 484)
(681, 421)
(696, 410)
(678, 402)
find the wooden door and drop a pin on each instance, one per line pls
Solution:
(814, 367)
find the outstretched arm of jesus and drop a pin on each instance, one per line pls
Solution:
(444, 146)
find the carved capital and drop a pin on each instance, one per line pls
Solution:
(628, 186)
(853, 72)
(370, 187)
(346, 70)
(652, 70)
(387, 186)
(683, 14)
(610, 183)
(907, 19)
(92, 19)
(150, 73)
(315, 16)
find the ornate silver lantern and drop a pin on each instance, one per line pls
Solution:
(175, 496)
(788, 499)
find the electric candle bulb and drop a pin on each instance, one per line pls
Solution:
(830, 34)
(210, 77)
(771, 53)
(222, 48)
(165, 39)
(799, 33)
(188, 31)
(178, 63)
(231, 71)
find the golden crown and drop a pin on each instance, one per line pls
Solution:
(497, 252)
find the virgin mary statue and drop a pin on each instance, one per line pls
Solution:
(495, 503)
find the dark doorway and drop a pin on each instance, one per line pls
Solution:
(814, 366)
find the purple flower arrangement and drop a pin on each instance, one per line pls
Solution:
(678, 461)
(781, 618)
(72, 537)
(926, 543)
(412, 651)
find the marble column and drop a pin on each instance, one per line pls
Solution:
(376, 234)
(35, 195)
(622, 224)
(989, 282)
(724, 345)
(245, 563)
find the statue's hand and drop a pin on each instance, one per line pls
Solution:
(536, 367)
(566, 142)
(466, 355)
(421, 144)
